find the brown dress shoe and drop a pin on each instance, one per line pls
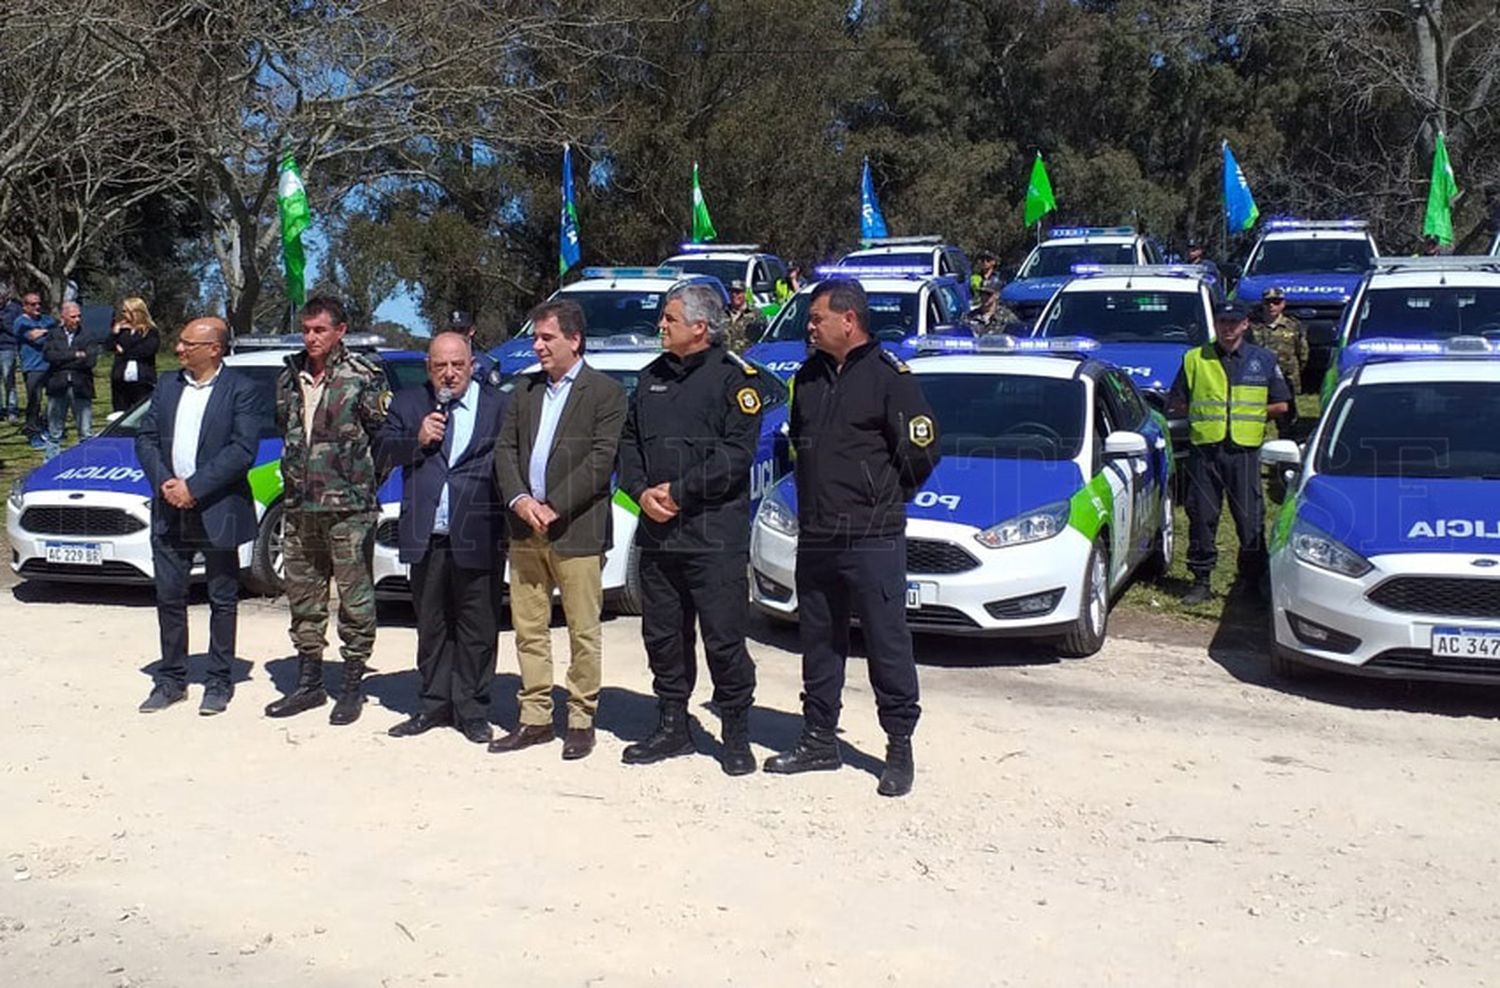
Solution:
(524, 737)
(578, 743)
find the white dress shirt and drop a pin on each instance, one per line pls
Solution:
(461, 415)
(554, 400)
(189, 423)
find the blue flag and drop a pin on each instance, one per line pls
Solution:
(1239, 205)
(871, 223)
(568, 250)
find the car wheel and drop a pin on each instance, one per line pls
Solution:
(268, 558)
(1087, 634)
(628, 597)
(1159, 561)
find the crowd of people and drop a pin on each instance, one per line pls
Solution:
(528, 476)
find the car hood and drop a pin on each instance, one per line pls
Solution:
(979, 491)
(781, 357)
(1031, 289)
(100, 464)
(1378, 515)
(1152, 366)
(514, 356)
(1302, 288)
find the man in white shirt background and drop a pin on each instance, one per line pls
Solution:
(196, 442)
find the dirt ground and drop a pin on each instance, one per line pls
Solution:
(1158, 814)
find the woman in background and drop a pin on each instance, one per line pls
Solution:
(135, 342)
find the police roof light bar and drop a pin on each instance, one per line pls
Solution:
(857, 271)
(1143, 270)
(1441, 262)
(1070, 232)
(1393, 348)
(718, 248)
(926, 240)
(627, 343)
(1284, 225)
(1004, 343)
(661, 271)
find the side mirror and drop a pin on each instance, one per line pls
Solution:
(1281, 452)
(1122, 444)
(951, 329)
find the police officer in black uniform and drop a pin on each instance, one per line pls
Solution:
(685, 456)
(865, 441)
(485, 368)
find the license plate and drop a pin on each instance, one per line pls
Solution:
(1466, 643)
(918, 594)
(75, 553)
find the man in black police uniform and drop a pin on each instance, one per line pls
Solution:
(486, 371)
(865, 441)
(1228, 389)
(685, 456)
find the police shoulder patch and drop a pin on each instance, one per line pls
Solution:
(920, 431)
(896, 362)
(739, 361)
(747, 400)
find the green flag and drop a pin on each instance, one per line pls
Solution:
(703, 227)
(291, 196)
(1039, 200)
(1439, 219)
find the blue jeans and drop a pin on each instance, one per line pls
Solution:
(9, 394)
(57, 419)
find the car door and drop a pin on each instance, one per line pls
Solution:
(1119, 474)
(1147, 475)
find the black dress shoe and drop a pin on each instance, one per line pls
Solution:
(477, 729)
(578, 743)
(524, 737)
(162, 696)
(418, 724)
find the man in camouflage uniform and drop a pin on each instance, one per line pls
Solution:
(746, 324)
(1284, 336)
(330, 404)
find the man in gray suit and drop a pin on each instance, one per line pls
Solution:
(553, 461)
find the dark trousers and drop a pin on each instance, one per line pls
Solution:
(124, 394)
(676, 588)
(457, 633)
(172, 554)
(1212, 473)
(866, 579)
(34, 381)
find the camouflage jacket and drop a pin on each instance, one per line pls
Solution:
(1286, 338)
(334, 471)
(744, 329)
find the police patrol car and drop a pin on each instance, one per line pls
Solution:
(906, 303)
(615, 302)
(748, 263)
(85, 515)
(1050, 264)
(1405, 307)
(1054, 487)
(1144, 318)
(924, 255)
(1319, 265)
(1385, 561)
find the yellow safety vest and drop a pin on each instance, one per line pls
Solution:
(1216, 410)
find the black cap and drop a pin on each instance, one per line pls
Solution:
(460, 321)
(1233, 309)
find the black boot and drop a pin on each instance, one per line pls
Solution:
(1199, 593)
(896, 779)
(737, 758)
(308, 693)
(352, 700)
(817, 750)
(671, 739)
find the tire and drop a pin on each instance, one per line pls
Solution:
(628, 597)
(1159, 561)
(1087, 634)
(267, 561)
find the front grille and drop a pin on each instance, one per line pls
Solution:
(110, 571)
(1414, 660)
(67, 519)
(1447, 596)
(387, 533)
(928, 556)
(937, 616)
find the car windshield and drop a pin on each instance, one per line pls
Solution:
(725, 271)
(262, 376)
(403, 374)
(1128, 317)
(1428, 313)
(1057, 260)
(1310, 257)
(892, 317)
(894, 259)
(1006, 416)
(611, 313)
(1431, 429)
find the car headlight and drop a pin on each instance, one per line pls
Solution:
(775, 515)
(17, 498)
(1033, 526)
(1317, 548)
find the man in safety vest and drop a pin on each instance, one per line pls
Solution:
(1228, 389)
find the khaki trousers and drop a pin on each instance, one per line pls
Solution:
(535, 570)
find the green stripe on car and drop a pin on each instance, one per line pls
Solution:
(1091, 507)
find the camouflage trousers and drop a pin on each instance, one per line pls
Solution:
(337, 545)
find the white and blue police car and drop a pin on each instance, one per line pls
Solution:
(906, 304)
(1385, 559)
(759, 270)
(926, 254)
(1144, 318)
(615, 302)
(1053, 489)
(1050, 264)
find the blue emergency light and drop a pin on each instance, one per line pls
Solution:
(1061, 232)
(1457, 346)
(1293, 224)
(873, 271)
(717, 248)
(616, 273)
(626, 342)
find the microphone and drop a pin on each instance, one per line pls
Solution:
(445, 398)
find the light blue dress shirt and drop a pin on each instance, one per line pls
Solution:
(554, 400)
(461, 414)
